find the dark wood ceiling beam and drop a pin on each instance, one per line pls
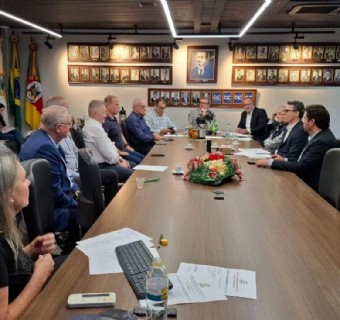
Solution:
(217, 14)
(198, 9)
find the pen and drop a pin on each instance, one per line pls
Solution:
(152, 180)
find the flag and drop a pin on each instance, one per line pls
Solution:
(2, 79)
(34, 100)
(14, 84)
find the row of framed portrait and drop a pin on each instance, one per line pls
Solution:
(287, 53)
(103, 52)
(313, 76)
(224, 98)
(120, 74)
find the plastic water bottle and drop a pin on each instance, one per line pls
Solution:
(227, 133)
(157, 283)
(122, 115)
(214, 127)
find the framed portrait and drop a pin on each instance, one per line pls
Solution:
(73, 73)
(284, 53)
(84, 54)
(134, 55)
(294, 75)
(239, 75)
(124, 75)
(94, 74)
(155, 53)
(195, 97)
(251, 52)
(261, 75)
(283, 75)
(134, 74)
(105, 74)
(307, 52)
(337, 76)
(154, 75)
(216, 97)
(237, 98)
(318, 52)
(144, 74)
(327, 76)
(273, 53)
(185, 97)
(250, 75)
(227, 97)
(337, 55)
(295, 53)
(239, 53)
(165, 75)
(94, 52)
(154, 95)
(175, 97)
(165, 95)
(114, 74)
(206, 94)
(202, 64)
(84, 73)
(104, 53)
(73, 52)
(317, 75)
(329, 53)
(272, 75)
(305, 75)
(165, 53)
(145, 53)
(262, 52)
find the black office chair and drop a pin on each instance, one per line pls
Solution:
(338, 143)
(39, 214)
(91, 200)
(125, 131)
(329, 185)
(78, 138)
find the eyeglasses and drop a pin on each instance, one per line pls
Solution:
(248, 104)
(67, 123)
(287, 110)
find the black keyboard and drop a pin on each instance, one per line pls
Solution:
(136, 260)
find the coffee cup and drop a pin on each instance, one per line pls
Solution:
(140, 182)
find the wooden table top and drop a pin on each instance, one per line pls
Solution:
(271, 223)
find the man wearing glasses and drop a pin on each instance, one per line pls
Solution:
(202, 111)
(253, 121)
(295, 137)
(316, 121)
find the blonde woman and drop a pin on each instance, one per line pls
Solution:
(23, 270)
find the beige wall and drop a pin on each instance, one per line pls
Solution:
(53, 72)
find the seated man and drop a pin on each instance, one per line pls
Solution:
(158, 121)
(295, 138)
(308, 166)
(103, 149)
(201, 111)
(44, 143)
(142, 138)
(114, 131)
(109, 177)
(253, 121)
(9, 133)
(278, 130)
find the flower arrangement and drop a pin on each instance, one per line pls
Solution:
(212, 168)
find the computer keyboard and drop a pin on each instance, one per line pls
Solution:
(136, 260)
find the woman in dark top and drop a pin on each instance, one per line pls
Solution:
(23, 270)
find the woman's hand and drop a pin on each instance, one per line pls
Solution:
(43, 267)
(42, 245)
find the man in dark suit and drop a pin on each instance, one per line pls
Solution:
(308, 166)
(44, 143)
(295, 137)
(253, 121)
(204, 68)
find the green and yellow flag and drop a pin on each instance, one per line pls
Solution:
(34, 101)
(14, 84)
(2, 78)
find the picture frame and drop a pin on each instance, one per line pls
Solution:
(184, 98)
(202, 62)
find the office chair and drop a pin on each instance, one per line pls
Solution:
(39, 214)
(91, 200)
(338, 143)
(329, 185)
(125, 131)
(77, 136)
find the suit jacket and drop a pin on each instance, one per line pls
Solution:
(294, 144)
(258, 124)
(308, 167)
(40, 145)
(207, 74)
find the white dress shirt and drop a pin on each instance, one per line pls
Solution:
(96, 139)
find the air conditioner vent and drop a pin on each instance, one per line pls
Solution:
(315, 9)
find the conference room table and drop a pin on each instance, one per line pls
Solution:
(271, 223)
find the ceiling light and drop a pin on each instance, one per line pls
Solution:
(175, 45)
(10, 16)
(164, 3)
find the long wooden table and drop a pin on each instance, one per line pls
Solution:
(271, 223)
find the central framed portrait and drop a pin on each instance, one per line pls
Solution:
(202, 64)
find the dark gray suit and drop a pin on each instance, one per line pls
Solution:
(308, 167)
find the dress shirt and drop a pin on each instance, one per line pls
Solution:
(156, 122)
(248, 121)
(138, 129)
(96, 139)
(289, 130)
(71, 154)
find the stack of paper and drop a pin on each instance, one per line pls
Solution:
(254, 153)
(101, 249)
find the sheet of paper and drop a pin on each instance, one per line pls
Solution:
(213, 137)
(241, 283)
(174, 135)
(150, 168)
(254, 153)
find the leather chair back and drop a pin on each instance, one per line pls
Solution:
(39, 214)
(125, 131)
(329, 185)
(78, 138)
(91, 200)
